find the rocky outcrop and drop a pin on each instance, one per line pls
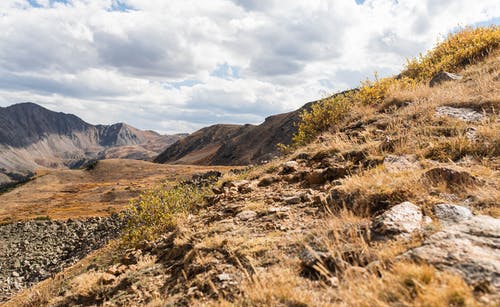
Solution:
(400, 221)
(465, 114)
(443, 76)
(32, 251)
(467, 245)
(452, 213)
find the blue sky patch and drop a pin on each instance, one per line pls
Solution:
(226, 71)
(186, 83)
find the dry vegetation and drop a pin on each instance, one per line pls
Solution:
(62, 194)
(217, 258)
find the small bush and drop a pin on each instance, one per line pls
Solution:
(322, 116)
(375, 92)
(157, 210)
(465, 47)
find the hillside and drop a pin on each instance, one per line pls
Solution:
(388, 196)
(33, 137)
(234, 144)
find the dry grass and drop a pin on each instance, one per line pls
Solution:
(407, 284)
(62, 194)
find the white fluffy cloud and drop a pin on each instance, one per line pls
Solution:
(178, 65)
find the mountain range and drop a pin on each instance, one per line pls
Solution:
(33, 137)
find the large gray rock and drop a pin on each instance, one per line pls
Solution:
(443, 76)
(469, 248)
(465, 114)
(401, 221)
(452, 213)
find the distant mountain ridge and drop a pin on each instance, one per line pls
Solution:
(234, 144)
(32, 136)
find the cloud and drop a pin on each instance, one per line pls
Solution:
(179, 65)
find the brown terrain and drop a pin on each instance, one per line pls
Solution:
(234, 144)
(107, 188)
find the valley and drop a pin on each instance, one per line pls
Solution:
(106, 188)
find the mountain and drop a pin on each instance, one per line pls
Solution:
(32, 137)
(234, 144)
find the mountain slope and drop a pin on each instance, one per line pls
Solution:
(234, 144)
(32, 137)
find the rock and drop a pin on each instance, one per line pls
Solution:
(243, 186)
(452, 213)
(246, 215)
(43, 248)
(132, 257)
(356, 156)
(393, 163)
(295, 177)
(316, 177)
(268, 180)
(469, 248)
(335, 172)
(465, 114)
(443, 76)
(302, 156)
(224, 277)
(450, 177)
(400, 221)
(292, 200)
(289, 167)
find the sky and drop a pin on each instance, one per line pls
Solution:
(180, 65)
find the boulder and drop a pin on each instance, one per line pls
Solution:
(400, 221)
(469, 248)
(452, 213)
(443, 76)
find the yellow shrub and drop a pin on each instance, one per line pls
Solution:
(157, 209)
(322, 116)
(465, 47)
(376, 92)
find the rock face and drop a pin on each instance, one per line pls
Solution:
(400, 221)
(469, 247)
(32, 251)
(442, 77)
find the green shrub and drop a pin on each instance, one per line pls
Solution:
(157, 210)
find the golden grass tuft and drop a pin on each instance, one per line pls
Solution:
(467, 46)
